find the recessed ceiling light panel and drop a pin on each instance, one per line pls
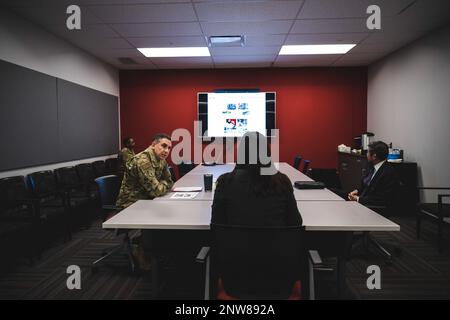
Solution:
(316, 49)
(175, 52)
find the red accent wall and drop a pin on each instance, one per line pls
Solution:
(317, 108)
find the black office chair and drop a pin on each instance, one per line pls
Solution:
(330, 178)
(388, 250)
(438, 212)
(109, 187)
(50, 203)
(306, 164)
(86, 174)
(111, 165)
(297, 162)
(185, 167)
(99, 168)
(78, 201)
(19, 232)
(258, 263)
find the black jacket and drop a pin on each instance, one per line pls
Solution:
(382, 189)
(235, 204)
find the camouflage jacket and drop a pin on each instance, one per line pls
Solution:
(146, 177)
(125, 155)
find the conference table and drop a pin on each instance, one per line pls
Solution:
(329, 220)
(195, 178)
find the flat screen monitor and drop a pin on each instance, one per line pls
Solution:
(232, 114)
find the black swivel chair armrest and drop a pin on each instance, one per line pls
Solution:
(316, 261)
(441, 196)
(314, 257)
(435, 188)
(202, 255)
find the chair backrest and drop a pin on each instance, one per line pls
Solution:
(99, 168)
(85, 173)
(297, 161)
(329, 176)
(67, 177)
(109, 187)
(42, 183)
(306, 164)
(172, 173)
(12, 190)
(185, 167)
(258, 262)
(111, 165)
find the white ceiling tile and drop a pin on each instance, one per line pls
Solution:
(265, 40)
(105, 43)
(306, 60)
(327, 9)
(233, 51)
(247, 11)
(140, 64)
(265, 24)
(54, 15)
(108, 2)
(325, 38)
(330, 26)
(98, 31)
(180, 12)
(158, 29)
(157, 42)
(185, 63)
(246, 28)
(116, 53)
(374, 48)
(419, 19)
(39, 3)
(244, 59)
(251, 64)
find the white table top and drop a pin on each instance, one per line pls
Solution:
(342, 216)
(196, 215)
(195, 179)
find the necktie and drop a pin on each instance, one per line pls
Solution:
(368, 177)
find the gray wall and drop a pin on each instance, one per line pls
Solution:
(45, 120)
(409, 105)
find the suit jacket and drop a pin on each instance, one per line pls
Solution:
(234, 204)
(382, 189)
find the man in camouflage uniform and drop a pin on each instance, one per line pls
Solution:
(125, 155)
(147, 174)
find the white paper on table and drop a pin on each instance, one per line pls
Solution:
(184, 195)
(187, 189)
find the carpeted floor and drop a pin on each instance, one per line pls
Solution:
(420, 272)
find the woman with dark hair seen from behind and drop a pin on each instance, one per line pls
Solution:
(248, 197)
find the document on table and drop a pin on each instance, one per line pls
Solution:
(184, 195)
(187, 189)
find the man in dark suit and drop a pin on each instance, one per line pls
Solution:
(379, 186)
